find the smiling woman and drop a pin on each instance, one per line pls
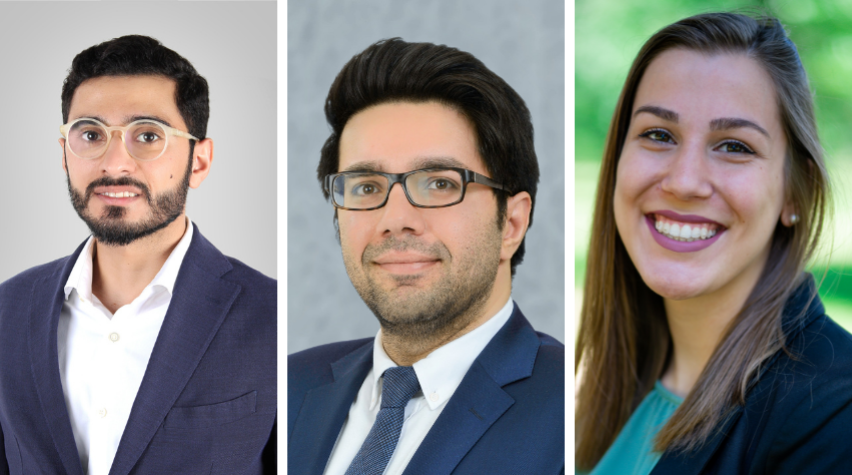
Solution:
(699, 328)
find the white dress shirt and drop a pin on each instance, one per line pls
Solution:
(103, 357)
(439, 375)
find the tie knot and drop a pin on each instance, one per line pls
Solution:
(399, 385)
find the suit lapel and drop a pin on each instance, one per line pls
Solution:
(480, 400)
(323, 412)
(200, 303)
(47, 297)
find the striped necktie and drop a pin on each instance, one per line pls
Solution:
(399, 385)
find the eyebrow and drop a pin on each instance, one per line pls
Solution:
(664, 114)
(127, 119)
(420, 163)
(727, 123)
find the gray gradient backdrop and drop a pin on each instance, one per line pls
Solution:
(232, 44)
(520, 40)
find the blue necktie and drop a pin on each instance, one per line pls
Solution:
(400, 384)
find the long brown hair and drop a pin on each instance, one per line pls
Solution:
(624, 344)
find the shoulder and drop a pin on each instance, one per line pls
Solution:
(314, 364)
(23, 282)
(805, 399)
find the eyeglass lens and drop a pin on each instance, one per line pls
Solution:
(144, 140)
(425, 188)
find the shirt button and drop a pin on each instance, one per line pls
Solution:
(434, 397)
(102, 412)
(113, 337)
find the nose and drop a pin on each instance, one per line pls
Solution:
(687, 176)
(116, 161)
(399, 216)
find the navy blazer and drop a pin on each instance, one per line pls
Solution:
(207, 402)
(797, 417)
(506, 417)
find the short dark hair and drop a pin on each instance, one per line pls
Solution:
(136, 55)
(393, 70)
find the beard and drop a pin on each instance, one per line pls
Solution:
(111, 229)
(449, 304)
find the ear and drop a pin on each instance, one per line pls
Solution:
(517, 221)
(202, 158)
(62, 146)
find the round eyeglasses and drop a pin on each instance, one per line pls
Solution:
(426, 188)
(144, 139)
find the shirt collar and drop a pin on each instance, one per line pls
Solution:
(80, 278)
(441, 372)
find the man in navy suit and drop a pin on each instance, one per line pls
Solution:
(146, 350)
(456, 381)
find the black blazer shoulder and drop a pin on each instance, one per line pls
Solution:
(798, 414)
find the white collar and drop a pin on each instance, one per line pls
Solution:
(80, 278)
(441, 372)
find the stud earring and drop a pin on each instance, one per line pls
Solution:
(794, 218)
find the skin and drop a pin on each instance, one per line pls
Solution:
(401, 258)
(686, 165)
(120, 273)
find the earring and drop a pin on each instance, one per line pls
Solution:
(794, 218)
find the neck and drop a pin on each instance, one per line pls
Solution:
(121, 273)
(697, 326)
(405, 349)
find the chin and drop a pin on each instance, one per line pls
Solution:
(673, 285)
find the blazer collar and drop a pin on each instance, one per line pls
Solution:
(324, 411)
(480, 399)
(200, 302)
(48, 295)
(802, 307)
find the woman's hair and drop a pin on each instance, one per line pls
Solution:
(624, 345)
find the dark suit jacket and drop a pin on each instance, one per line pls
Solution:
(207, 402)
(506, 417)
(797, 418)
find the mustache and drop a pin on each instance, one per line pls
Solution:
(123, 181)
(436, 250)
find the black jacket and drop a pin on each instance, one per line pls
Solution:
(797, 418)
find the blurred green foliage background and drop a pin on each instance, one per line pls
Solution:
(608, 35)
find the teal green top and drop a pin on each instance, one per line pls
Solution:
(632, 452)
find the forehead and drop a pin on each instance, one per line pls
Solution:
(709, 86)
(119, 98)
(402, 136)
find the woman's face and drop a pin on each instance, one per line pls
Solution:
(700, 181)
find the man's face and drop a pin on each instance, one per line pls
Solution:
(120, 198)
(419, 270)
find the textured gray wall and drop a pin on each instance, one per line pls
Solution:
(520, 40)
(233, 45)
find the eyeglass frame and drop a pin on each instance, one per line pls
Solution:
(64, 128)
(468, 176)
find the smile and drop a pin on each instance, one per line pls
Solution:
(684, 232)
(125, 194)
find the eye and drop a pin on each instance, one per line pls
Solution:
(735, 146)
(91, 136)
(657, 135)
(442, 184)
(147, 137)
(365, 189)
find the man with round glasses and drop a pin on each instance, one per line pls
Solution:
(431, 169)
(147, 350)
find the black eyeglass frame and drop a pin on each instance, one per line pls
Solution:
(468, 176)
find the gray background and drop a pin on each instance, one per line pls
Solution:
(520, 40)
(232, 44)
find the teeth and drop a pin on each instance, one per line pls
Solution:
(125, 194)
(683, 231)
